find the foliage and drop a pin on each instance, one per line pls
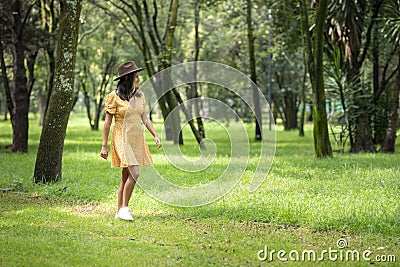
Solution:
(392, 24)
(341, 89)
(359, 31)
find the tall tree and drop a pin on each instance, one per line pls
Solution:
(15, 16)
(303, 99)
(6, 83)
(393, 34)
(49, 157)
(172, 96)
(253, 74)
(322, 144)
(192, 91)
(314, 58)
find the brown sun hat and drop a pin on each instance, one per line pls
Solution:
(126, 68)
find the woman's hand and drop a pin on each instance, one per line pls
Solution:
(104, 152)
(158, 142)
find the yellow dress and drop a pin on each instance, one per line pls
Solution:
(128, 146)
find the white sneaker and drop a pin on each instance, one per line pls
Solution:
(124, 214)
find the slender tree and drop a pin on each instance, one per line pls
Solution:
(314, 59)
(167, 49)
(253, 74)
(303, 100)
(49, 157)
(15, 16)
(193, 87)
(6, 83)
(322, 144)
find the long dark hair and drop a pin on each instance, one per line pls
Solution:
(125, 86)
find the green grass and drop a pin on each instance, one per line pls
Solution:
(305, 203)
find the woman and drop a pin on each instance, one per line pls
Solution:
(127, 105)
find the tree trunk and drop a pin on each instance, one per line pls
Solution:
(346, 116)
(303, 100)
(167, 52)
(200, 126)
(390, 139)
(289, 104)
(19, 121)
(97, 114)
(363, 135)
(86, 100)
(290, 110)
(6, 84)
(322, 144)
(196, 133)
(308, 51)
(30, 62)
(107, 71)
(172, 120)
(163, 52)
(379, 122)
(52, 69)
(42, 102)
(253, 75)
(49, 157)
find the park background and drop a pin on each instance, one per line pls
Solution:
(338, 182)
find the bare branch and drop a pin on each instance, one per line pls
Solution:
(369, 31)
(155, 21)
(131, 8)
(168, 22)
(151, 34)
(89, 31)
(25, 19)
(384, 73)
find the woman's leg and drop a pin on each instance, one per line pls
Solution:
(130, 184)
(124, 178)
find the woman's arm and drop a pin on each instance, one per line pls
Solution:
(106, 131)
(150, 127)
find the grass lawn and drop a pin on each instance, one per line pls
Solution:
(305, 205)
